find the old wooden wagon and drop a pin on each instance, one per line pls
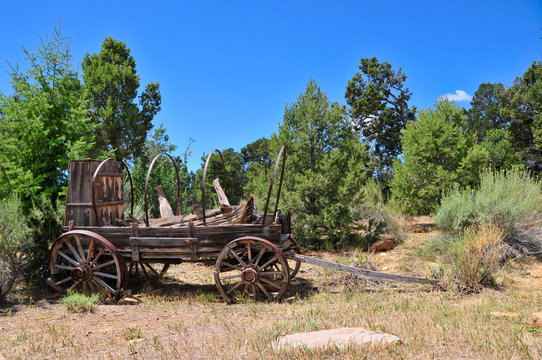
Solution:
(99, 248)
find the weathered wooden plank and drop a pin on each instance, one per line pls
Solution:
(360, 272)
(162, 241)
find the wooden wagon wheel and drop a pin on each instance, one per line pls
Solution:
(148, 270)
(251, 268)
(83, 260)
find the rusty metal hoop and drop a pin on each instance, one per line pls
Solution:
(205, 176)
(282, 153)
(147, 185)
(93, 186)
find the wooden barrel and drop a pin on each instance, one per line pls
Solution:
(109, 204)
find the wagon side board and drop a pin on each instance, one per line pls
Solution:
(171, 245)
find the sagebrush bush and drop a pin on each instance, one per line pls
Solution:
(503, 198)
(79, 303)
(15, 238)
(475, 257)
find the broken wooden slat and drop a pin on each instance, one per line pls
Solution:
(360, 272)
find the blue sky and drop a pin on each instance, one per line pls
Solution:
(227, 68)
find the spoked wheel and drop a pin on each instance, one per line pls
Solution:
(149, 270)
(251, 268)
(291, 246)
(85, 261)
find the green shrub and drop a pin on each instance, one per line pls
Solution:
(79, 303)
(373, 215)
(15, 238)
(503, 199)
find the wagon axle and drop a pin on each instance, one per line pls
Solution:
(81, 273)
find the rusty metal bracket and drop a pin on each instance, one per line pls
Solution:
(205, 176)
(282, 154)
(93, 186)
(147, 185)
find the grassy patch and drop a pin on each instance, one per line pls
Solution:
(79, 303)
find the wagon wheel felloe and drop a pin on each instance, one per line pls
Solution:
(85, 261)
(251, 268)
(291, 246)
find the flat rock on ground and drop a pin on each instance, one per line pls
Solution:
(342, 337)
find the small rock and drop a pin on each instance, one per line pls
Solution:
(136, 341)
(536, 273)
(128, 293)
(504, 314)
(290, 300)
(382, 245)
(128, 301)
(336, 337)
(536, 319)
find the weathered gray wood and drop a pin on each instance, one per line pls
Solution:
(360, 272)
(109, 202)
(222, 198)
(161, 241)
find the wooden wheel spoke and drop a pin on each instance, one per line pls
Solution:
(74, 252)
(234, 287)
(85, 288)
(270, 283)
(249, 251)
(93, 287)
(273, 259)
(230, 277)
(97, 267)
(272, 273)
(259, 257)
(63, 281)
(63, 267)
(79, 247)
(264, 290)
(104, 284)
(98, 256)
(90, 249)
(238, 258)
(231, 266)
(72, 261)
(101, 274)
(254, 295)
(74, 285)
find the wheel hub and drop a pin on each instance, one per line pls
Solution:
(250, 275)
(81, 273)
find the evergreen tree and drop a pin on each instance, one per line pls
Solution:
(111, 86)
(378, 98)
(325, 167)
(440, 152)
(524, 112)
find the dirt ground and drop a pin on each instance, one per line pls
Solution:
(181, 316)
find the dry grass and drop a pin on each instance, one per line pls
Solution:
(180, 319)
(476, 257)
